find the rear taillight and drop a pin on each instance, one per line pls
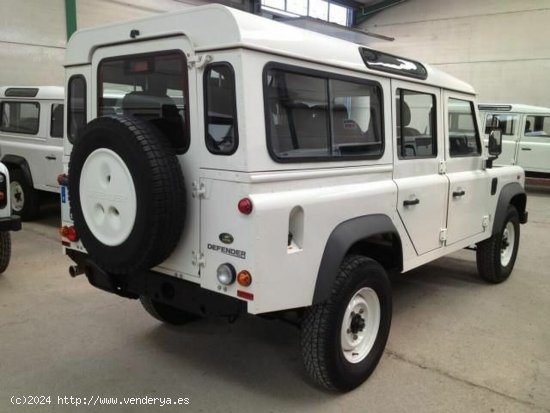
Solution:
(69, 233)
(63, 180)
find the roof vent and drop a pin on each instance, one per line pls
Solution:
(386, 62)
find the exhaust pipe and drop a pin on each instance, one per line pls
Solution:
(75, 270)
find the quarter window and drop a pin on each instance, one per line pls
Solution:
(151, 87)
(314, 117)
(76, 110)
(56, 123)
(220, 109)
(463, 133)
(416, 131)
(20, 117)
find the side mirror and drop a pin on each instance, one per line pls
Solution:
(495, 143)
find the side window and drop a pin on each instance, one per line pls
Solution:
(537, 125)
(220, 109)
(315, 117)
(463, 133)
(416, 128)
(152, 87)
(76, 110)
(20, 117)
(507, 123)
(56, 123)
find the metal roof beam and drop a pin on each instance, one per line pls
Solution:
(363, 13)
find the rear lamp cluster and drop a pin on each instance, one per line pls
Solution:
(245, 206)
(69, 233)
(227, 275)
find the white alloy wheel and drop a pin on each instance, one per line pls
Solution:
(17, 196)
(507, 244)
(108, 197)
(360, 325)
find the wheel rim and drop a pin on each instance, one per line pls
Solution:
(360, 325)
(108, 197)
(17, 196)
(507, 244)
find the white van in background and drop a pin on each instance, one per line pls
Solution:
(525, 135)
(31, 143)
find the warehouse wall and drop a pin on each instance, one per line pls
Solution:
(499, 46)
(33, 33)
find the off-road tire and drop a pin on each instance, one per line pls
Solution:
(5, 250)
(321, 346)
(159, 192)
(166, 313)
(488, 253)
(31, 197)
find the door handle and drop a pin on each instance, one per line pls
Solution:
(410, 202)
(51, 157)
(456, 194)
(525, 149)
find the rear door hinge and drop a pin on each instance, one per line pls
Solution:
(198, 191)
(198, 259)
(485, 221)
(442, 167)
(443, 235)
(199, 61)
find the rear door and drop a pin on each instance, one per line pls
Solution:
(534, 146)
(131, 89)
(422, 189)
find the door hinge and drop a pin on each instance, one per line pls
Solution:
(199, 61)
(198, 191)
(443, 235)
(485, 221)
(442, 167)
(198, 259)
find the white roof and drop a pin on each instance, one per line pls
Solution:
(44, 92)
(512, 107)
(218, 27)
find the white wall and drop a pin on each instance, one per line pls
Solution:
(33, 33)
(501, 47)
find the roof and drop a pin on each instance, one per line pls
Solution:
(512, 107)
(34, 92)
(235, 28)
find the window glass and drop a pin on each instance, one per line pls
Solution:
(416, 134)
(507, 123)
(306, 121)
(463, 135)
(151, 87)
(76, 110)
(20, 117)
(537, 126)
(56, 124)
(327, 10)
(220, 109)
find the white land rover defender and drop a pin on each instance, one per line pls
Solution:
(31, 143)
(247, 166)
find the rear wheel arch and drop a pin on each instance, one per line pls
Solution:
(374, 236)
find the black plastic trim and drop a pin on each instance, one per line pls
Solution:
(342, 238)
(15, 161)
(12, 223)
(507, 194)
(421, 74)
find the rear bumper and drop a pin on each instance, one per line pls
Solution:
(12, 223)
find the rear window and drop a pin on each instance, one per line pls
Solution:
(56, 123)
(507, 123)
(20, 117)
(537, 126)
(152, 87)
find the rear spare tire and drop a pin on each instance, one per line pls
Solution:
(127, 194)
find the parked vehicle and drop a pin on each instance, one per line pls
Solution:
(267, 169)
(525, 135)
(31, 143)
(8, 222)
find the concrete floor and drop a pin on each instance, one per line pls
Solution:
(456, 344)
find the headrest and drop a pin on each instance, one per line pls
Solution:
(405, 111)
